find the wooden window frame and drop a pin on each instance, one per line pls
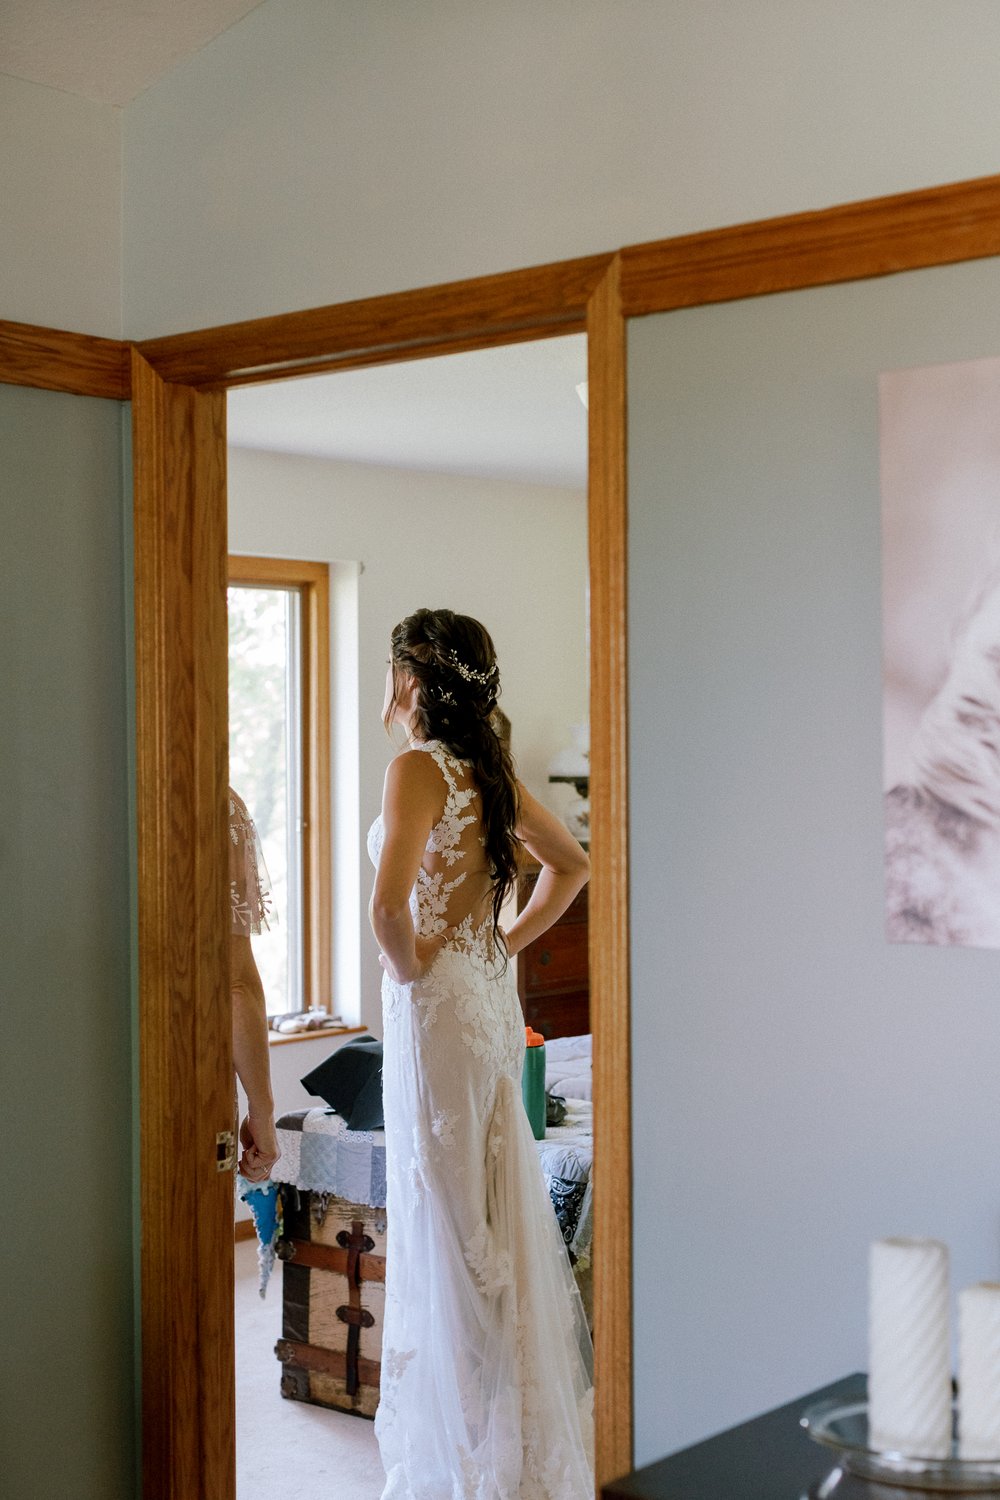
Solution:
(311, 580)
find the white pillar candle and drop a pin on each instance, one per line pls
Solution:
(979, 1370)
(909, 1370)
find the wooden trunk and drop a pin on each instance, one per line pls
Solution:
(333, 1297)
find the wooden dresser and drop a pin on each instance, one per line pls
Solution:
(553, 972)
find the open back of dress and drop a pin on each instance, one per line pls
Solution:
(454, 888)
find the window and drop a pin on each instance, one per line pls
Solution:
(279, 761)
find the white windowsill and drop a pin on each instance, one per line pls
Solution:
(279, 1039)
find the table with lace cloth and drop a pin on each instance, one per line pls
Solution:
(321, 1156)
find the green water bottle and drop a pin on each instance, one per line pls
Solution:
(533, 1082)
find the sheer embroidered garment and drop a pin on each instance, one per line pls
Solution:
(486, 1384)
(249, 886)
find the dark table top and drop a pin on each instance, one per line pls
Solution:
(770, 1458)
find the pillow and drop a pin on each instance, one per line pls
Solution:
(350, 1082)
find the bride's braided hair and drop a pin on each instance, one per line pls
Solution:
(454, 663)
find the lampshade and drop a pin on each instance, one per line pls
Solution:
(574, 760)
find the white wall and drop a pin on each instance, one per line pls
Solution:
(290, 1061)
(801, 1086)
(60, 210)
(319, 152)
(515, 556)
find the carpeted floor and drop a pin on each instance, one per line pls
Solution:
(289, 1447)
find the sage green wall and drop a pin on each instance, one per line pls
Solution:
(800, 1086)
(67, 1398)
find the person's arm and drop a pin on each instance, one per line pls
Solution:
(251, 1058)
(565, 871)
(411, 804)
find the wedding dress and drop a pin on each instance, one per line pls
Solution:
(486, 1384)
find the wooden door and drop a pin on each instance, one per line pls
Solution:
(185, 1045)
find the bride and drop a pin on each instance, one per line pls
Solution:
(486, 1384)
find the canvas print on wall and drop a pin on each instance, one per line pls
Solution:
(940, 461)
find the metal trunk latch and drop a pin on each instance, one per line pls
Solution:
(225, 1151)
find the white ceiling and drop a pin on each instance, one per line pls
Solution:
(507, 413)
(107, 50)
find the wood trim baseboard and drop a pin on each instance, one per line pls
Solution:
(609, 895)
(453, 317)
(243, 1229)
(848, 242)
(370, 358)
(853, 241)
(50, 359)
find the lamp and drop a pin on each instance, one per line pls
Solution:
(571, 766)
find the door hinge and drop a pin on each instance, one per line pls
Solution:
(225, 1151)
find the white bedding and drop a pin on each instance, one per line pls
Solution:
(568, 1068)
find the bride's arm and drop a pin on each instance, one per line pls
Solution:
(565, 871)
(411, 803)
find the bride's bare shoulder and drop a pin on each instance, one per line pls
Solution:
(413, 775)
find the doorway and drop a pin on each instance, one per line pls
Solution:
(458, 480)
(184, 1061)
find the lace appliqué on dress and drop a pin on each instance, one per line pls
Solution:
(443, 1127)
(446, 835)
(432, 899)
(394, 1363)
(249, 884)
(493, 1268)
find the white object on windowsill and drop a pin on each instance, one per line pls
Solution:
(295, 1021)
(909, 1369)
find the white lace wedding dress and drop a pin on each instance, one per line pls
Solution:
(487, 1390)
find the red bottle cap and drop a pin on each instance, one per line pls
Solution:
(533, 1038)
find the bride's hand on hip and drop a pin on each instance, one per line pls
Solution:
(426, 950)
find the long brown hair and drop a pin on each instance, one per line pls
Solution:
(453, 662)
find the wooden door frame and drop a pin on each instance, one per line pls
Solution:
(937, 226)
(185, 1014)
(572, 297)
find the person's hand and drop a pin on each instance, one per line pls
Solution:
(506, 943)
(426, 950)
(260, 1146)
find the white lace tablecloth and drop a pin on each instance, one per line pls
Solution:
(320, 1155)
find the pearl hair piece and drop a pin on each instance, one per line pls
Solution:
(469, 673)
